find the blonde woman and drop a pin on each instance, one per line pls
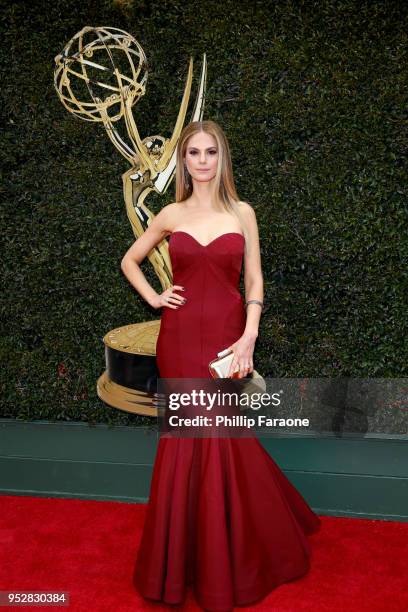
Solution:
(222, 516)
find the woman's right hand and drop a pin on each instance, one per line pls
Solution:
(169, 298)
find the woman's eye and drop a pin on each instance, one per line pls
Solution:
(212, 152)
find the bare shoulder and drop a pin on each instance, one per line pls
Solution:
(168, 216)
(247, 211)
(173, 205)
(169, 211)
(174, 208)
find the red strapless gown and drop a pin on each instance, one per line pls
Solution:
(221, 515)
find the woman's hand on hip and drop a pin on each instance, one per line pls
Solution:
(169, 298)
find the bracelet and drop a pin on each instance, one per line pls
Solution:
(255, 302)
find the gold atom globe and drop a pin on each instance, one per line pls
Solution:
(98, 70)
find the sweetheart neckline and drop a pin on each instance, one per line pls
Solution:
(204, 246)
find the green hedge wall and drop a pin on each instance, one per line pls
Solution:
(313, 98)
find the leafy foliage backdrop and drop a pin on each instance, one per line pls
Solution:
(313, 98)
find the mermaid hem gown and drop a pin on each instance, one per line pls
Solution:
(221, 515)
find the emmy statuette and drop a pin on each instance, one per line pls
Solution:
(99, 76)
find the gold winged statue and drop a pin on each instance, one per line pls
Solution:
(99, 76)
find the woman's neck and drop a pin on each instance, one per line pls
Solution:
(201, 196)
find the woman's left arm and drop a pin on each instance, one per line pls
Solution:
(253, 281)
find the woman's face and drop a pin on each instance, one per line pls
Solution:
(202, 157)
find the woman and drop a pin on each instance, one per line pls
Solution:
(221, 516)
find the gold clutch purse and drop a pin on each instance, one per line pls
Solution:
(220, 366)
(254, 383)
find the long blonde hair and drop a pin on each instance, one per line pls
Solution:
(224, 194)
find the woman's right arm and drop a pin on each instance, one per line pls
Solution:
(130, 264)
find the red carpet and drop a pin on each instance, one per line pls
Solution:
(88, 548)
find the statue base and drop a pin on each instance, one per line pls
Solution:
(130, 380)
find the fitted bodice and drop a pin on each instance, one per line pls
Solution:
(221, 259)
(214, 315)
